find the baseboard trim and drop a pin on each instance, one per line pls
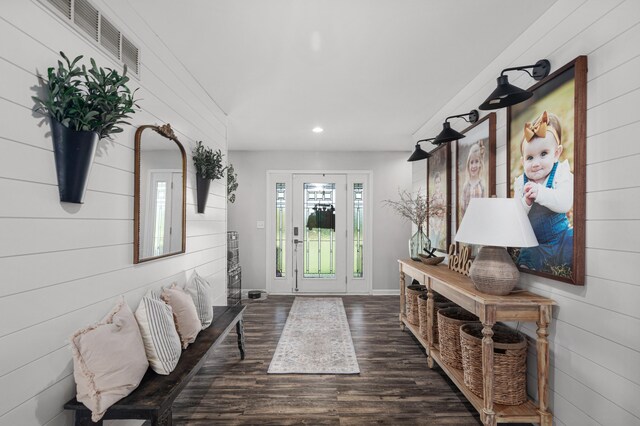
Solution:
(386, 292)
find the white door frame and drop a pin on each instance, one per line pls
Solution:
(286, 284)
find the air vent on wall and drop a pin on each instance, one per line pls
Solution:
(86, 17)
(97, 26)
(130, 54)
(63, 6)
(109, 37)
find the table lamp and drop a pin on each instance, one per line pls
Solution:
(495, 223)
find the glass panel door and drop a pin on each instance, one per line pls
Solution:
(319, 209)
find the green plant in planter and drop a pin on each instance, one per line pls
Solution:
(208, 162)
(232, 183)
(94, 99)
(84, 106)
(209, 167)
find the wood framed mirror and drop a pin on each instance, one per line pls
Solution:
(159, 199)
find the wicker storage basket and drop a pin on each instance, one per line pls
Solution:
(438, 306)
(411, 302)
(509, 363)
(449, 322)
(440, 302)
(422, 314)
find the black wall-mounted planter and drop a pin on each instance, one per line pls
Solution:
(74, 151)
(202, 188)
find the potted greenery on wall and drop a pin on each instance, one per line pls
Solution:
(209, 167)
(85, 105)
(232, 183)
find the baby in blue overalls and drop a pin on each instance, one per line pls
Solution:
(546, 192)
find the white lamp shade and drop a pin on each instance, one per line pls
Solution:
(500, 222)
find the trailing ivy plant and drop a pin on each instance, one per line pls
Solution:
(96, 99)
(232, 183)
(208, 162)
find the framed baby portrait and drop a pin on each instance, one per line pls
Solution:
(438, 190)
(546, 157)
(475, 166)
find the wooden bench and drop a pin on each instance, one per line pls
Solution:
(152, 400)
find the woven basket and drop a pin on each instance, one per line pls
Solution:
(449, 322)
(411, 302)
(509, 363)
(438, 306)
(440, 302)
(422, 314)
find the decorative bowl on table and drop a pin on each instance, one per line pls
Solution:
(430, 260)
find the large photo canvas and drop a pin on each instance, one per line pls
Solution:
(546, 169)
(475, 166)
(438, 190)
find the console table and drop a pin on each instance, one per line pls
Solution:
(520, 306)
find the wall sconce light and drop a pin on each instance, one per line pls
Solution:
(448, 134)
(507, 94)
(419, 153)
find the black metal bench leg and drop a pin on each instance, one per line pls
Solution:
(83, 418)
(240, 332)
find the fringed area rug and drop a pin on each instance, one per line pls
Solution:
(316, 339)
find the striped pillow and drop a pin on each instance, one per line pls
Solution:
(200, 291)
(161, 340)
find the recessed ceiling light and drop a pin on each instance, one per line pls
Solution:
(317, 130)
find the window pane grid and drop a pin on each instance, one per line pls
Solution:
(281, 201)
(319, 234)
(358, 230)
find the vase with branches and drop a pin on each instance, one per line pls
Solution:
(416, 208)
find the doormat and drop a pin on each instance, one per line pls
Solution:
(316, 339)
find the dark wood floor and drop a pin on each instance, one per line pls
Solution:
(394, 386)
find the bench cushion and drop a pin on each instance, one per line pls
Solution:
(161, 341)
(108, 360)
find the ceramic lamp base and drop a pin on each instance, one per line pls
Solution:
(493, 271)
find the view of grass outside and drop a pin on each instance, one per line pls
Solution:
(319, 253)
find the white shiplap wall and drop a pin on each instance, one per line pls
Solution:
(63, 266)
(595, 335)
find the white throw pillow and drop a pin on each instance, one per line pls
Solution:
(161, 340)
(108, 360)
(200, 291)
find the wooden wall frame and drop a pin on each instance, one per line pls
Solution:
(440, 162)
(575, 71)
(490, 120)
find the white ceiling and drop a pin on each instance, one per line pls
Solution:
(370, 72)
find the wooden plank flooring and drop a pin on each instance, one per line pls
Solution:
(394, 386)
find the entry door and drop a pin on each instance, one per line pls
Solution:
(319, 248)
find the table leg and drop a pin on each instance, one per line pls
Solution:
(402, 296)
(542, 346)
(240, 332)
(488, 320)
(430, 322)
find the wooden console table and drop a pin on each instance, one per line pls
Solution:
(521, 306)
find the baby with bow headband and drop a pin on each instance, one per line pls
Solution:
(546, 192)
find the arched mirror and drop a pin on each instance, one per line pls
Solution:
(160, 187)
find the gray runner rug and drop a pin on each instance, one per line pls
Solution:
(316, 339)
